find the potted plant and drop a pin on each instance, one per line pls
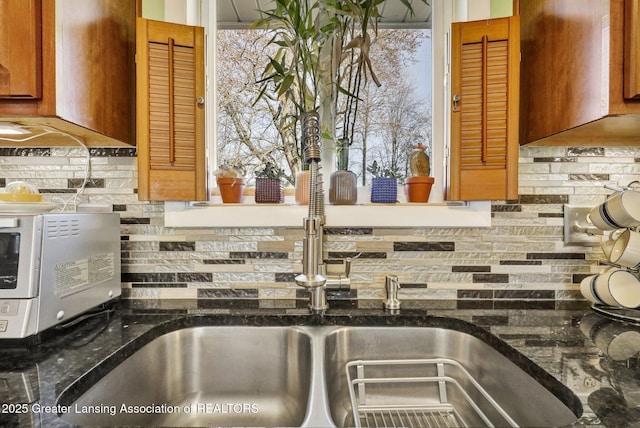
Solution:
(303, 33)
(231, 183)
(322, 53)
(418, 186)
(384, 185)
(293, 74)
(269, 187)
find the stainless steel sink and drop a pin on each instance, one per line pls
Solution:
(316, 376)
(406, 376)
(222, 376)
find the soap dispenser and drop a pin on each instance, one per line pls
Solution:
(392, 285)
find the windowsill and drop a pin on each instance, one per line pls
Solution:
(184, 214)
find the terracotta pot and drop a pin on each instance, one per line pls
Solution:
(231, 189)
(418, 188)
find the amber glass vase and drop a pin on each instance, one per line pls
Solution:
(343, 186)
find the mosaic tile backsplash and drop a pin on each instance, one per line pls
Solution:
(521, 261)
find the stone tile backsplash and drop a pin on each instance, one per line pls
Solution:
(521, 261)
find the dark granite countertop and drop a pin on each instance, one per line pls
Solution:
(594, 356)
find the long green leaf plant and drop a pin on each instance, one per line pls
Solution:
(322, 53)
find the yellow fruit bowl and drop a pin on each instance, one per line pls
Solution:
(20, 197)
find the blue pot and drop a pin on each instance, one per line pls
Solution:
(384, 190)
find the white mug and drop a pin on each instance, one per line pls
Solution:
(607, 241)
(626, 249)
(587, 289)
(620, 211)
(617, 287)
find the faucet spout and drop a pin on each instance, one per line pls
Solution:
(311, 277)
(314, 277)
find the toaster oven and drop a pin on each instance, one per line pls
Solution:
(54, 267)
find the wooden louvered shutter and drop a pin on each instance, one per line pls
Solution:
(485, 73)
(170, 111)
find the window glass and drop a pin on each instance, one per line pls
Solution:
(392, 117)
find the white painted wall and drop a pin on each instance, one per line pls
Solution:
(177, 11)
(153, 9)
(182, 11)
(470, 10)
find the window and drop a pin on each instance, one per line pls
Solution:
(385, 134)
(476, 214)
(392, 118)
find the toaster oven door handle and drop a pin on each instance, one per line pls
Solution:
(8, 222)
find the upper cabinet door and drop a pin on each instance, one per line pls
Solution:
(580, 72)
(70, 64)
(170, 111)
(632, 49)
(485, 73)
(20, 49)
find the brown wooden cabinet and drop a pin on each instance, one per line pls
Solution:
(484, 110)
(580, 71)
(76, 71)
(170, 111)
(20, 49)
(631, 70)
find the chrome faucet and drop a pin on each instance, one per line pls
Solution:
(314, 275)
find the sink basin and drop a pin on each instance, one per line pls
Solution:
(422, 376)
(315, 376)
(204, 376)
